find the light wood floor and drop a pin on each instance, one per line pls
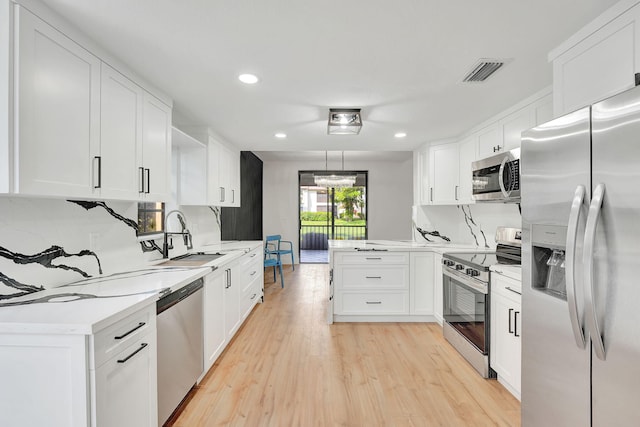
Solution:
(288, 367)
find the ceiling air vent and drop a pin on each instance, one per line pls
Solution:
(483, 69)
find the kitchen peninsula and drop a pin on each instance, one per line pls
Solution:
(387, 280)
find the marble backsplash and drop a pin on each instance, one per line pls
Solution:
(45, 243)
(472, 224)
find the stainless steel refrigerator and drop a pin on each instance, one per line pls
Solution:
(581, 267)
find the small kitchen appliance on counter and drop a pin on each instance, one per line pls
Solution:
(466, 285)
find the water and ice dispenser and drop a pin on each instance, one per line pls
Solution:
(548, 243)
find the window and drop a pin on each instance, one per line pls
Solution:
(150, 218)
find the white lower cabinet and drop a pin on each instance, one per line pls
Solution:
(215, 334)
(506, 327)
(421, 287)
(437, 287)
(105, 379)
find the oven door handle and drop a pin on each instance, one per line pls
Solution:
(572, 237)
(474, 287)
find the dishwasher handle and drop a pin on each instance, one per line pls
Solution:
(172, 298)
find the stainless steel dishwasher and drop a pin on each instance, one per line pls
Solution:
(180, 347)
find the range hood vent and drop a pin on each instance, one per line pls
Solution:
(483, 69)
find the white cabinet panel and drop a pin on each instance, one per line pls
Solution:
(468, 154)
(232, 285)
(421, 288)
(506, 327)
(437, 287)
(371, 258)
(599, 66)
(120, 136)
(373, 303)
(156, 149)
(490, 141)
(57, 95)
(214, 186)
(215, 337)
(374, 277)
(513, 126)
(125, 387)
(444, 164)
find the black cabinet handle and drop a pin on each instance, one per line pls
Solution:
(253, 296)
(512, 290)
(143, 345)
(373, 258)
(510, 311)
(253, 273)
(373, 277)
(141, 189)
(140, 325)
(148, 181)
(515, 324)
(374, 302)
(99, 159)
(456, 191)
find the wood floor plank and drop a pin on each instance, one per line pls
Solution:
(288, 367)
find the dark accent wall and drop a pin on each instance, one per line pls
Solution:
(245, 222)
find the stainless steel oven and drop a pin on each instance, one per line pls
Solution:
(466, 294)
(466, 312)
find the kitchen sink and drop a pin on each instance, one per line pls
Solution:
(192, 260)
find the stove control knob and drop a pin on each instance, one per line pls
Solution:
(459, 267)
(448, 262)
(472, 272)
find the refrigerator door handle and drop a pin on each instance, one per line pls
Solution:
(572, 235)
(589, 241)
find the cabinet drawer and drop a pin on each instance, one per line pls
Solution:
(372, 303)
(506, 286)
(116, 337)
(250, 297)
(372, 258)
(374, 277)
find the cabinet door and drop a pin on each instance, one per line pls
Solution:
(126, 387)
(423, 178)
(45, 380)
(468, 154)
(515, 124)
(437, 287)
(232, 302)
(224, 175)
(120, 135)
(58, 111)
(490, 141)
(234, 174)
(421, 286)
(600, 66)
(156, 148)
(214, 317)
(444, 162)
(214, 187)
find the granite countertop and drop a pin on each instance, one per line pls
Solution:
(88, 305)
(404, 245)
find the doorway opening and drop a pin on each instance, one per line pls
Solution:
(330, 213)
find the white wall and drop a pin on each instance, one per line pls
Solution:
(389, 197)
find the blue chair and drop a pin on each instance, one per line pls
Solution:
(275, 243)
(272, 259)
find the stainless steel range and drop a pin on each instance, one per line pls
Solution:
(466, 285)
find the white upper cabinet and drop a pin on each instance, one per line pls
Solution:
(120, 136)
(155, 168)
(57, 107)
(490, 141)
(513, 125)
(214, 185)
(468, 148)
(599, 61)
(444, 164)
(83, 129)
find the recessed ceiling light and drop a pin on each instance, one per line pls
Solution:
(248, 78)
(280, 135)
(400, 135)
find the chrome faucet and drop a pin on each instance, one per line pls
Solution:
(185, 233)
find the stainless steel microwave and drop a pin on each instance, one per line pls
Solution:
(497, 178)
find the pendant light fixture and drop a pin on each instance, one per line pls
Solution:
(335, 179)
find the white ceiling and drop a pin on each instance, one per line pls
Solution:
(401, 61)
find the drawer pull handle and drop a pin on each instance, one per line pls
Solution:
(373, 277)
(143, 345)
(374, 302)
(253, 273)
(140, 325)
(252, 255)
(373, 258)
(512, 290)
(253, 296)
